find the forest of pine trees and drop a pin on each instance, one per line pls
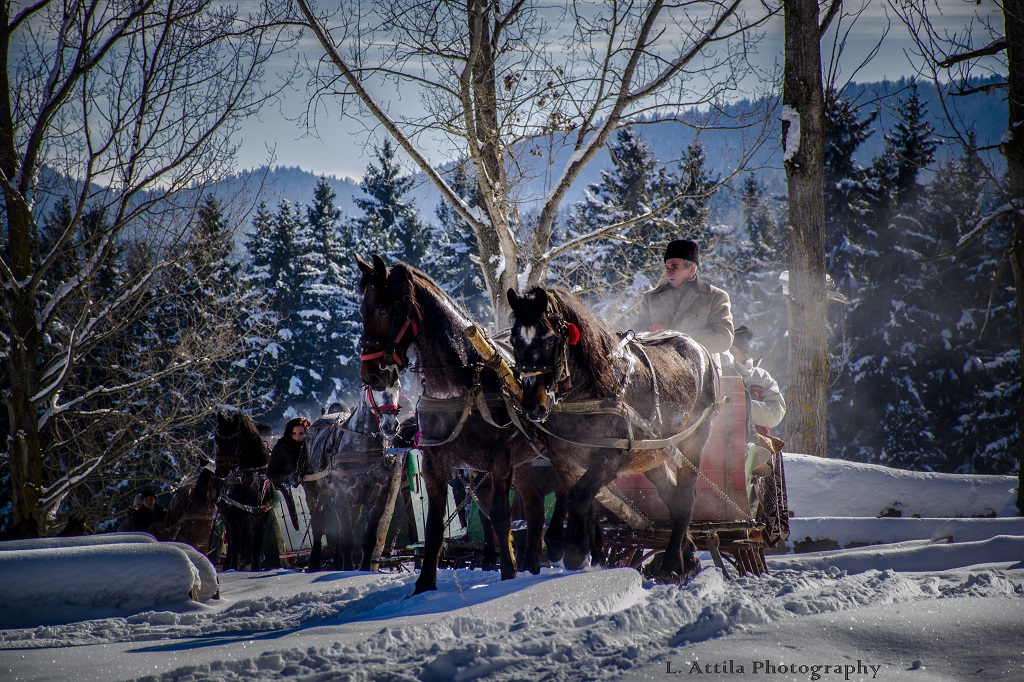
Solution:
(916, 347)
(922, 353)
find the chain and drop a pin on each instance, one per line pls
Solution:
(744, 514)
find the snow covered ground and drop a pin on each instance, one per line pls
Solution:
(942, 599)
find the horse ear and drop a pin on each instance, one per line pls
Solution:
(513, 297)
(364, 267)
(379, 268)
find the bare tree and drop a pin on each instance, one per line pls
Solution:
(125, 108)
(950, 58)
(520, 87)
(803, 130)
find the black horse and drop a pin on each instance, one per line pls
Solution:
(191, 513)
(246, 495)
(610, 405)
(464, 419)
(348, 474)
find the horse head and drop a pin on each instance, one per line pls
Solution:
(384, 404)
(540, 338)
(238, 442)
(391, 320)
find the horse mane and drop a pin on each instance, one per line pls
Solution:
(427, 298)
(251, 442)
(597, 340)
(252, 451)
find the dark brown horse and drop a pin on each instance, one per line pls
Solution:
(191, 513)
(609, 405)
(464, 421)
(245, 492)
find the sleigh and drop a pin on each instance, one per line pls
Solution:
(736, 516)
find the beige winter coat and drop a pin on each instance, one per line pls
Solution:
(767, 406)
(696, 308)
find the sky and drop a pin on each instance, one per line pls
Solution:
(344, 148)
(938, 597)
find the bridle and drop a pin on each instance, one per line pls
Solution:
(405, 326)
(378, 410)
(234, 435)
(566, 334)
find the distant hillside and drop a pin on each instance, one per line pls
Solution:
(668, 140)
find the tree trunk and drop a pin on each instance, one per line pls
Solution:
(23, 443)
(808, 321)
(498, 249)
(1013, 150)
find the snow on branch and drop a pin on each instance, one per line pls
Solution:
(1014, 207)
(993, 48)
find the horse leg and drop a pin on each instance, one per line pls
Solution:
(555, 534)
(316, 530)
(484, 496)
(679, 563)
(232, 536)
(379, 494)
(580, 536)
(390, 483)
(345, 507)
(437, 490)
(501, 519)
(259, 541)
(528, 491)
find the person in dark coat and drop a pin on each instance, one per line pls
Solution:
(685, 303)
(288, 451)
(146, 511)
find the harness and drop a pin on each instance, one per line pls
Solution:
(475, 399)
(648, 438)
(349, 462)
(251, 476)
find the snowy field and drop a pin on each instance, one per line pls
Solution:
(941, 598)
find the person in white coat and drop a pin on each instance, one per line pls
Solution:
(767, 406)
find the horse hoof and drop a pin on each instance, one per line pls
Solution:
(420, 589)
(574, 562)
(690, 573)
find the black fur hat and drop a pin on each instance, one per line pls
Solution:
(742, 337)
(686, 249)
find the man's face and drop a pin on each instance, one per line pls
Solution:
(678, 271)
(149, 501)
